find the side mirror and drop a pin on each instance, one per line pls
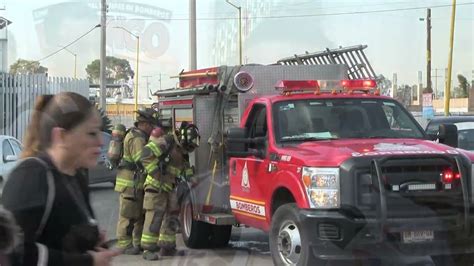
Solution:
(237, 141)
(234, 141)
(10, 158)
(448, 134)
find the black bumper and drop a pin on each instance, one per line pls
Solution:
(339, 235)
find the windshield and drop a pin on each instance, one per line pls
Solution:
(302, 120)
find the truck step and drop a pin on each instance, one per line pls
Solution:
(217, 218)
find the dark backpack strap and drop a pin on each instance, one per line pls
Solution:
(49, 198)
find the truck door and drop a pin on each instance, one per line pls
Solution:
(248, 175)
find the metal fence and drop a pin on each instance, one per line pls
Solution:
(18, 94)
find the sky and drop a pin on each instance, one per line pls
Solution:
(273, 29)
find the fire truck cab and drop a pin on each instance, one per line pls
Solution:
(325, 164)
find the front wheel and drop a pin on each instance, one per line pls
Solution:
(288, 243)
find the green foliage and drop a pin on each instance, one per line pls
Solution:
(463, 86)
(116, 69)
(22, 66)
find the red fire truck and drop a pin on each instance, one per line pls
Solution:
(323, 163)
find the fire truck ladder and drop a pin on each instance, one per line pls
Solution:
(353, 57)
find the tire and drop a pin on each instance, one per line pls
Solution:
(460, 259)
(196, 234)
(289, 245)
(220, 235)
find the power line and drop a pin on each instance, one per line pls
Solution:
(306, 15)
(69, 44)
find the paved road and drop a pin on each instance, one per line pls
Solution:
(247, 246)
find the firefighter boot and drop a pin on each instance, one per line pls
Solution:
(134, 250)
(150, 255)
(170, 252)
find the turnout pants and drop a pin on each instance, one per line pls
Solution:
(161, 219)
(131, 217)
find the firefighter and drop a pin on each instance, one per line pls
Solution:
(166, 160)
(130, 180)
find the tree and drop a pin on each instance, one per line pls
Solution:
(463, 86)
(22, 66)
(116, 70)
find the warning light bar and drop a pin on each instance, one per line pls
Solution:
(297, 85)
(359, 84)
(316, 86)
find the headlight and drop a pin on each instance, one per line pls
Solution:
(322, 187)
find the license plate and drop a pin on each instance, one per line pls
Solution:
(417, 236)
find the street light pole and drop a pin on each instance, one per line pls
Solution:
(136, 74)
(240, 29)
(75, 60)
(136, 68)
(103, 58)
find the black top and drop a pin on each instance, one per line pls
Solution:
(68, 233)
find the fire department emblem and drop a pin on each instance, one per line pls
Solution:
(395, 147)
(245, 178)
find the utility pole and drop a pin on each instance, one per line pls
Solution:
(428, 51)
(192, 35)
(447, 93)
(103, 28)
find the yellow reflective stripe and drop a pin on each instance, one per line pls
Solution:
(137, 156)
(189, 172)
(124, 243)
(173, 170)
(167, 238)
(124, 182)
(154, 148)
(149, 238)
(150, 167)
(167, 187)
(157, 184)
(128, 158)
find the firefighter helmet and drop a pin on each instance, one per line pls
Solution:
(148, 115)
(188, 137)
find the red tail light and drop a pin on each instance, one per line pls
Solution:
(448, 176)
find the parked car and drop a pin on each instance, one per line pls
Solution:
(103, 172)
(10, 150)
(465, 125)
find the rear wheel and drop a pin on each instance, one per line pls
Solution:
(288, 243)
(196, 234)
